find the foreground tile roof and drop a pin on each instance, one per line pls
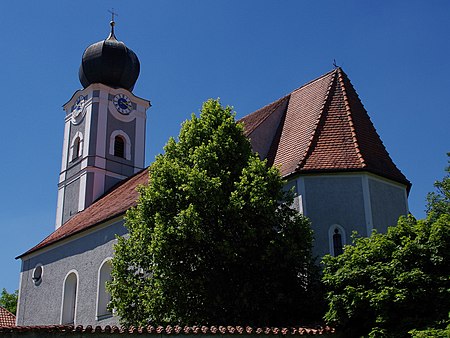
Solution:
(319, 127)
(6, 318)
(170, 330)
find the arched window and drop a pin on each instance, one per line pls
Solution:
(336, 236)
(69, 301)
(76, 147)
(103, 297)
(119, 146)
(337, 242)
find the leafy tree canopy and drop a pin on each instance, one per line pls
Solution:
(439, 201)
(213, 239)
(9, 300)
(389, 284)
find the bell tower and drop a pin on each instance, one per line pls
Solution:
(104, 134)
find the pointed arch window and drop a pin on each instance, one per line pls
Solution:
(337, 239)
(103, 296)
(120, 145)
(69, 301)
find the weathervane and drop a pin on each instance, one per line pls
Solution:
(334, 64)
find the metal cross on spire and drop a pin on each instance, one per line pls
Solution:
(112, 14)
(112, 23)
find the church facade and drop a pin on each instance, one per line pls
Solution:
(319, 135)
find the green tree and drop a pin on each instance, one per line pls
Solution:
(389, 284)
(213, 239)
(439, 201)
(9, 300)
(432, 332)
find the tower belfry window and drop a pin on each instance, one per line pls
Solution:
(119, 146)
(76, 148)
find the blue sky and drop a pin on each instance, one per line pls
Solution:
(248, 53)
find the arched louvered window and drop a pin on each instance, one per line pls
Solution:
(76, 148)
(69, 299)
(119, 146)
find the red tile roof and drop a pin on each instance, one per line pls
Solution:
(6, 318)
(319, 127)
(323, 128)
(171, 330)
(111, 205)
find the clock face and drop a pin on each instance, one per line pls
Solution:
(77, 109)
(122, 104)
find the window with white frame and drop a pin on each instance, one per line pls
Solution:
(120, 144)
(103, 296)
(69, 299)
(76, 147)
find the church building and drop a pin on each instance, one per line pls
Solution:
(319, 135)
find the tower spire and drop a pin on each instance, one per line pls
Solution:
(112, 23)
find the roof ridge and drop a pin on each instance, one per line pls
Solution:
(275, 104)
(314, 80)
(341, 74)
(314, 135)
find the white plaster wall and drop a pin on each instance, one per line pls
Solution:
(41, 305)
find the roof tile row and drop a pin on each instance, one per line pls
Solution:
(171, 330)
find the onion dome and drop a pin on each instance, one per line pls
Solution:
(109, 62)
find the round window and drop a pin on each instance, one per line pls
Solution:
(37, 274)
